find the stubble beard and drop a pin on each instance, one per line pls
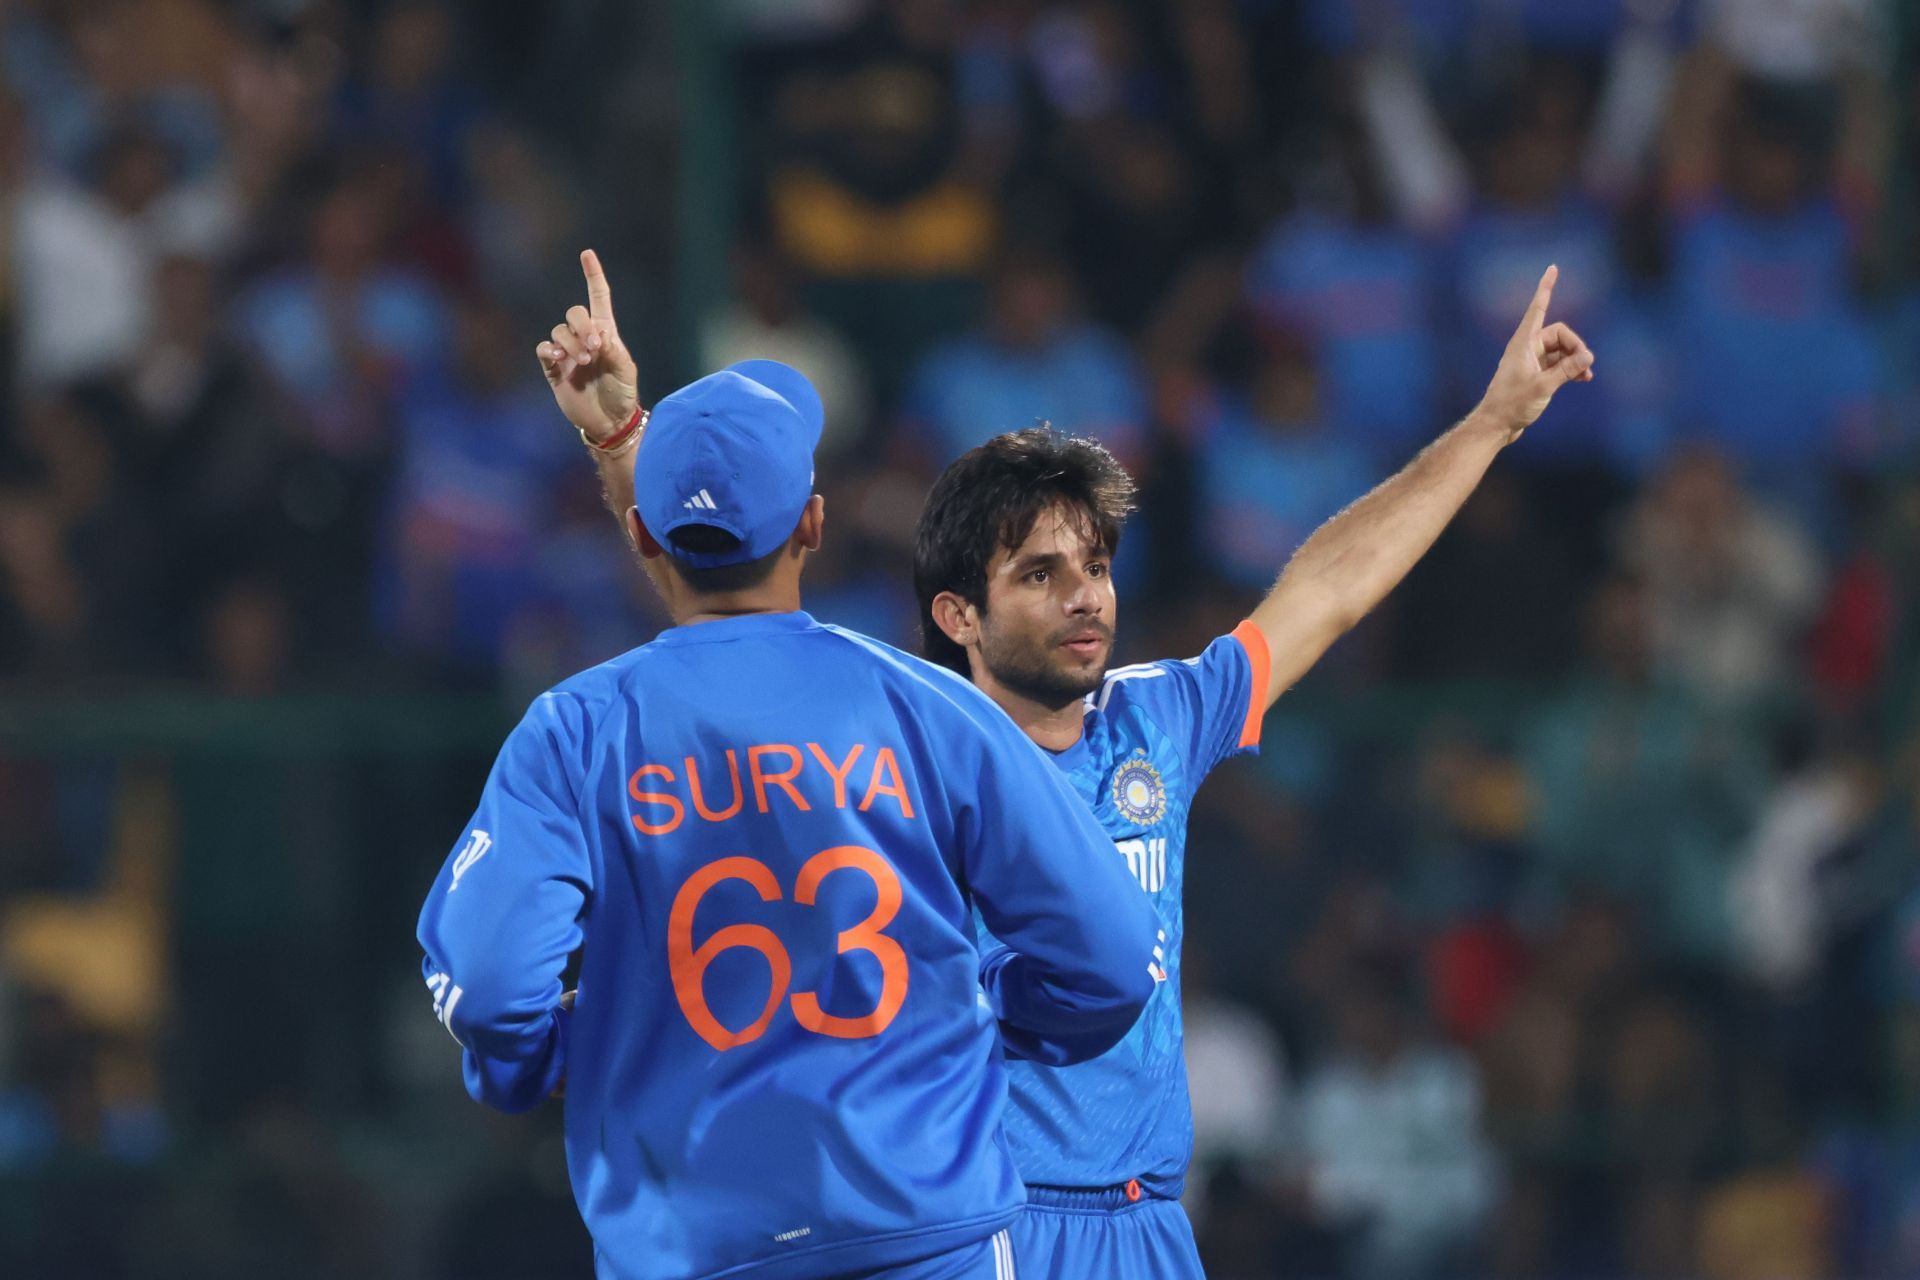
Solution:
(1026, 668)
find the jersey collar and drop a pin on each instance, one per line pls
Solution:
(1072, 757)
(747, 624)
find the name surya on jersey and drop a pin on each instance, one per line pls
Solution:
(857, 776)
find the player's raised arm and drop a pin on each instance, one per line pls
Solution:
(1348, 566)
(596, 384)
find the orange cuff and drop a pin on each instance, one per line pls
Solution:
(1254, 641)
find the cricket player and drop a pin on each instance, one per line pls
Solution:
(1012, 569)
(767, 840)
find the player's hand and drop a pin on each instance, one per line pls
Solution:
(1539, 360)
(593, 378)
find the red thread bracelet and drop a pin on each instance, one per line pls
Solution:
(617, 442)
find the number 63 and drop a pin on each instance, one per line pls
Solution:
(688, 965)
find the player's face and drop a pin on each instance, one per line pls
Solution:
(1047, 630)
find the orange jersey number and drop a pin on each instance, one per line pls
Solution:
(688, 965)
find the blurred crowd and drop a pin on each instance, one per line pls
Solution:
(1568, 924)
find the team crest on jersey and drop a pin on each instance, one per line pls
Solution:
(1139, 793)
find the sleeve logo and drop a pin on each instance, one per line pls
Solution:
(1139, 793)
(478, 842)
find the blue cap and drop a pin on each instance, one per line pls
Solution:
(735, 451)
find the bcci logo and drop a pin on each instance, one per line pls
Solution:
(1139, 793)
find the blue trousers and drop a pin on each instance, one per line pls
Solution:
(1084, 1235)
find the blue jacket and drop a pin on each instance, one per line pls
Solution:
(765, 837)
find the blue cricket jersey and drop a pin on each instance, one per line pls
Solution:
(768, 838)
(1152, 733)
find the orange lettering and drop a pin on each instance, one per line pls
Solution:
(839, 775)
(784, 781)
(700, 801)
(885, 763)
(687, 967)
(654, 797)
(865, 936)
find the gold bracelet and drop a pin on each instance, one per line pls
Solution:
(625, 440)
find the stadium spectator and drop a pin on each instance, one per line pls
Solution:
(85, 69)
(1390, 1145)
(1361, 288)
(1640, 790)
(1529, 211)
(1788, 904)
(1237, 1072)
(410, 96)
(766, 317)
(1761, 285)
(1802, 40)
(197, 457)
(341, 326)
(1272, 468)
(1033, 360)
(1131, 193)
(83, 256)
(472, 498)
(520, 216)
(1731, 586)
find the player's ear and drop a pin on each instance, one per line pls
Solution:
(642, 540)
(957, 619)
(813, 522)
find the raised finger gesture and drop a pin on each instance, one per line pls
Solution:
(592, 376)
(1539, 360)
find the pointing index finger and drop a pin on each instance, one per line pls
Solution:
(599, 292)
(1537, 309)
